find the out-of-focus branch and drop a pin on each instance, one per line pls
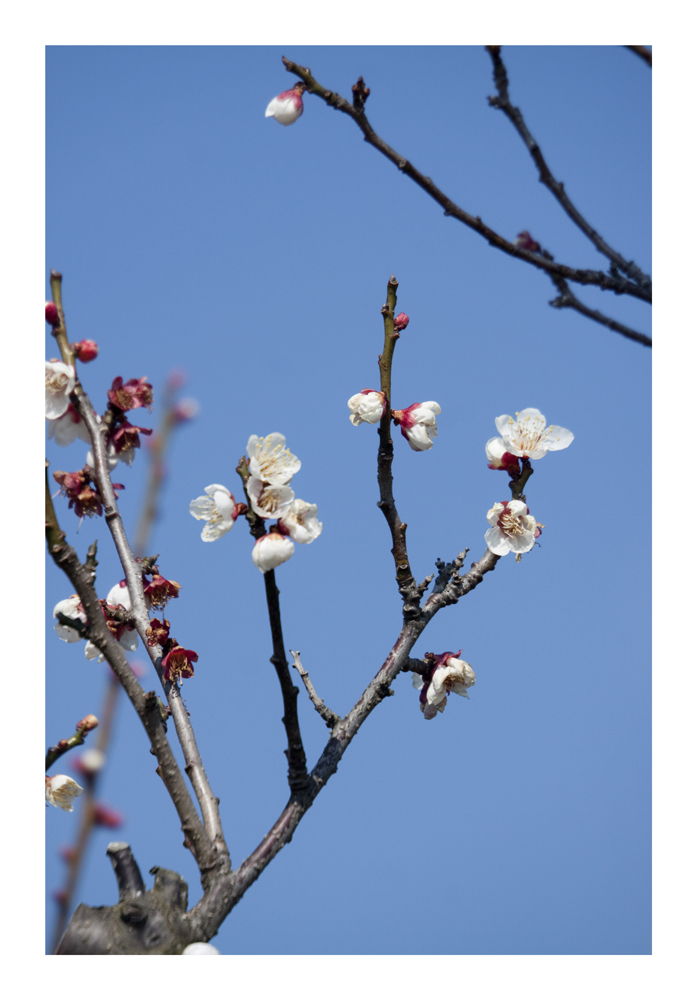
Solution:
(386, 503)
(331, 718)
(643, 52)
(194, 765)
(616, 283)
(567, 300)
(514, 115)
(297, 761)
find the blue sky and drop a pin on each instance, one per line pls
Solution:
(194, 233)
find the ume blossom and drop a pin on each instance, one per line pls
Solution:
(288, 106)
(528, 436)
(449, 675)
(367, 407)
(418, 424)
(514, 529)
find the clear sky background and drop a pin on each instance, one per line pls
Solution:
(195, 234)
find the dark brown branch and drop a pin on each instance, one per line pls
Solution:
(567, 300)
(227, 890)
(607, 282)
(514, 115)
(643, 52)
(295, 753)
(405, 578)
(331, 718)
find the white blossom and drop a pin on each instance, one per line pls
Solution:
(453, 676)
(418, 424)
(498, 457)
(367, 406)
(217, 508)
(68, 428)
(200, 948)
(271, 550)
(270, 460)
(60, 382)
(69, 608)
(287, 107)
(513, 528)
(61, 790)
(119, 594)
(301, 522)
(528, 435)
(269, 501)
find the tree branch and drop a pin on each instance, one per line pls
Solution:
(567, 300)
(643, 52)
(227, 890)
(145, 705)
(405, 578)
(331, 718)
(194, 765)
(615, 284)
(515, 116)
(297, 762)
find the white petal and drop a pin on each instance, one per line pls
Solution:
(91, 652)
(129, 640)
(119, 595)
(493, 514)
(202, 508)
(271, 550)
(558, 437)
(497, 542)
(213, 531)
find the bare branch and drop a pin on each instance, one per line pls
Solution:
(567, 300)
(405, 578)
(515, 116)
(227, 890)
(582, 276)
(643, 52)
(331, 718)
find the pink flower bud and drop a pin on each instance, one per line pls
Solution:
(288, 106)
(52, 314)
(87, 724)
(401, 321)
(525, 241)
(85, 350)
(187, 409)
(104, 816)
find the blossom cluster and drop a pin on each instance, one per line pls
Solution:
(417, 422)
(271, 466)
(527, 437)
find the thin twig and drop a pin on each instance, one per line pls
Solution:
(405, 578)
(194, 765)
(331, 718)
(567, 300)
(514, 115)
(295, 753)
(643, 52)
(607, 282)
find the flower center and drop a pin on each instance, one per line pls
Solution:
(56, 381)
(510, 524)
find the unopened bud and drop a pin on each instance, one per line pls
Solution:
(104, 816)
(87, 724)
(85, 350)
(525, 241)
(187, 409)
(90, 762)
(52, 314)
(401, 321)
